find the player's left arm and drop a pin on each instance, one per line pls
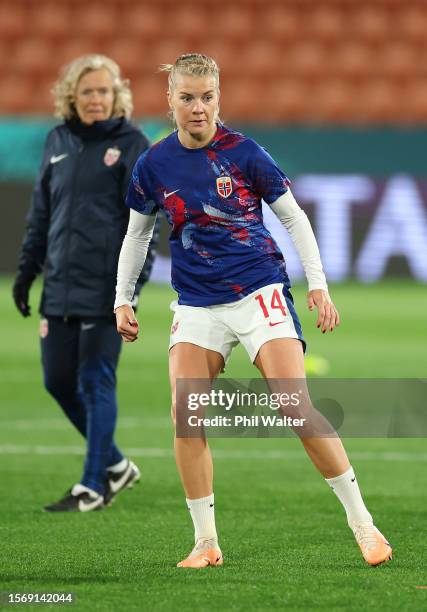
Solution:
(294, 219)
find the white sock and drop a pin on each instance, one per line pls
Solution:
(203, 515)
(347, 490)
(118, 467)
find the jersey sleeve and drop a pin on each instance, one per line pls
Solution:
(139, 195)
(268, 179)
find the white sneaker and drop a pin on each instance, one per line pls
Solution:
(77, 499)
(118, 481)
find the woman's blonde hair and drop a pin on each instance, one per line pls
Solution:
(194, 64)
(64, 90)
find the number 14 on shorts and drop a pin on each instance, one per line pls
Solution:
(275, 304)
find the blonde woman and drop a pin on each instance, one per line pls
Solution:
(75, 228)
(231, 282)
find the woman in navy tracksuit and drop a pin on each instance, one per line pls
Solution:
(75, 229)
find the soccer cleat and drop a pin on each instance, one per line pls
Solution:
(375, 548)
(205, 552)
(117, 481)
(77, 499)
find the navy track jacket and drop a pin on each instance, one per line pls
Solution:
(78, 217)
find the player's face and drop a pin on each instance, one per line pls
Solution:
(195, 103)
(95, 96)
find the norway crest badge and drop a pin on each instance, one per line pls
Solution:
(111, 156)
(224, 186)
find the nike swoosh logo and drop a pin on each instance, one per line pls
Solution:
(278, 323)
(86, 326)
(86, 507)
(117, 485)
(57, 158)
(166, 195)
(353, 479)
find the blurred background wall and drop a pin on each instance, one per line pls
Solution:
(336, 90)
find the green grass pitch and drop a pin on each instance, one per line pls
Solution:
(283, 533)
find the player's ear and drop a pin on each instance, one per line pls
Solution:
(169, 96)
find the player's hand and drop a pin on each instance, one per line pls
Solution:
(127, 325)
(328, 317)
(21, 294)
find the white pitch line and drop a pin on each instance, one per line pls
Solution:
(64, 424)
(14, 449)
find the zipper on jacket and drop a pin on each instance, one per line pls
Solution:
(68, 232)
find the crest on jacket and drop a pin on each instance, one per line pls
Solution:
(224, 186)
(111, 156)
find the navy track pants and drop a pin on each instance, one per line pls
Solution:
(80, 358)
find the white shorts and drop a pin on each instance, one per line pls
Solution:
(263, 315)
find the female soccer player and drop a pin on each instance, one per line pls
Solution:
(231, 282)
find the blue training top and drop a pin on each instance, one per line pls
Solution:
(220, 248)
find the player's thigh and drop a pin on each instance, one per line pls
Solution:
(281, 362)
(281, 358)
(187, 363)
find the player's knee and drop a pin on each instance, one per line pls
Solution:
(179, 410)
(306, 421)
(293, 412)
(301, 410)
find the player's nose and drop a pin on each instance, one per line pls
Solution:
(198, 107)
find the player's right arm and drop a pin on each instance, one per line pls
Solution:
(142, 220)
(131, 261)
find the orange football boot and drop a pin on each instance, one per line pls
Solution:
(205, 552)
(375, 548)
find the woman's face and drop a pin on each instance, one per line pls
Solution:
(95, 96)
(195, 103)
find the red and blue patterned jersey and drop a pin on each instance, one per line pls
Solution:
(220, 248)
